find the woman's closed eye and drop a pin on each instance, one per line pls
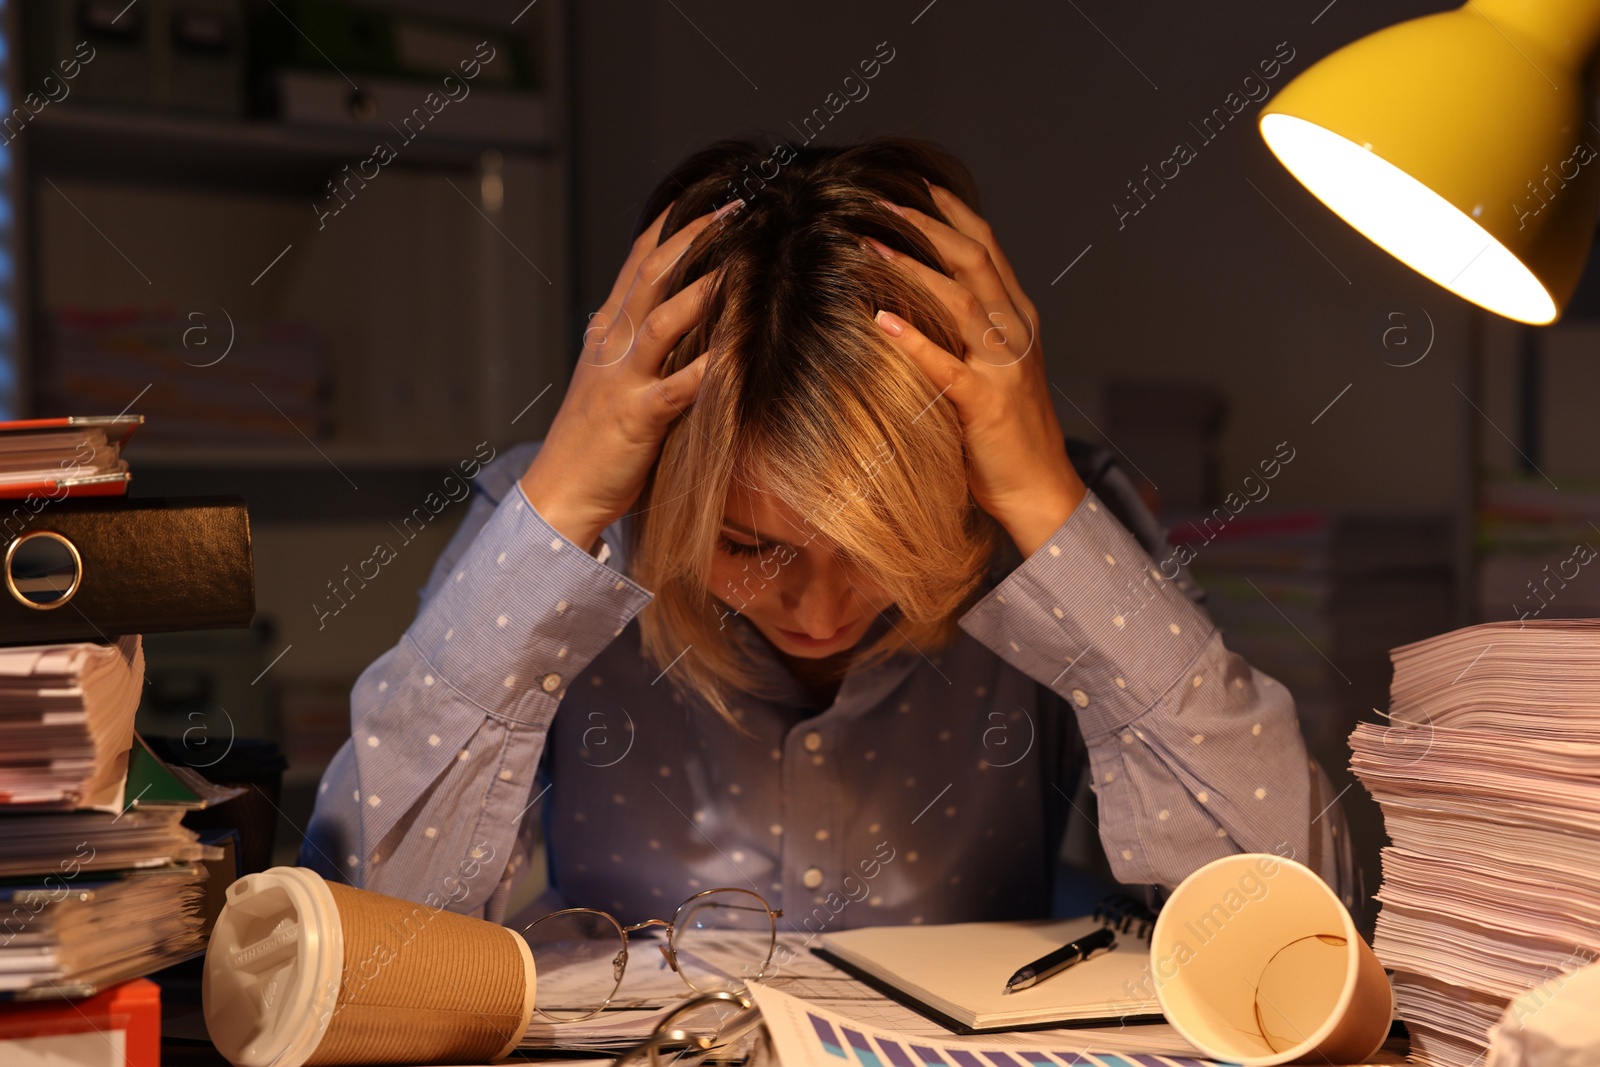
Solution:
(738, 548)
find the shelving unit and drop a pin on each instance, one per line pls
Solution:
(88, 141)
(440, 292)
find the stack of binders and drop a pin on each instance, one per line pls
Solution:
(1486, 777)
(99, 880)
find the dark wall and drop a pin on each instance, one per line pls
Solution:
(1231, 275)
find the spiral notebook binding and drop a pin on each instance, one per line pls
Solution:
(1125, 915)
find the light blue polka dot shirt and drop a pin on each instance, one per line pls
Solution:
(935, 788)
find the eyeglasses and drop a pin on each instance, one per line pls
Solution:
(703, 1028)
(581, 953)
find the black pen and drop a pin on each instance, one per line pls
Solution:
(1102, 940)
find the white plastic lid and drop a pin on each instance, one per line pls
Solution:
(272, 968)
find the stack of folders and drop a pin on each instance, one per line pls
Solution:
(72, 455)
(66, 722)
(1486, 776)
(99, 879)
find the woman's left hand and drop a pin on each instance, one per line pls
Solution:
(1017, 457)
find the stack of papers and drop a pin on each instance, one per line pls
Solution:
(1486, 777)
(66, 844)
(91, 898)
(71, 455)
(66, 722)
(99, 878)
(70, 937)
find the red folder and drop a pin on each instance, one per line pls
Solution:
(71, 481)
(121, 1025)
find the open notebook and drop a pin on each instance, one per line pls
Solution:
(956, 973)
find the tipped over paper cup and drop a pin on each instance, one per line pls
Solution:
(301, 971)
(1256, 962)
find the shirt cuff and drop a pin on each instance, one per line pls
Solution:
(525, 610)
(1089, 615)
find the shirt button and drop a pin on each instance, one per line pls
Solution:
(813, 876)
(552, 682)
(1080, 698)
(813, 742)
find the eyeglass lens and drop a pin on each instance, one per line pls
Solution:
(579, 957)
(722, 939)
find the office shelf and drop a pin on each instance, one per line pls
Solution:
(129, 145)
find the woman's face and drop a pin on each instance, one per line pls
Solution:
(778, 571)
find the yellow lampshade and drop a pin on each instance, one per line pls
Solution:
(1460, 144)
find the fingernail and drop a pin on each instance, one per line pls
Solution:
(730, 206)
(889, 323)
(882, 249)
(893, 207)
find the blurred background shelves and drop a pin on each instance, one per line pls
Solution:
(277, 224)
(94, 140)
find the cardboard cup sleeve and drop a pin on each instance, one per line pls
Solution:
(301, 972)
(1256, 962)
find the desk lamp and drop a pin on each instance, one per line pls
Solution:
(1461, 143)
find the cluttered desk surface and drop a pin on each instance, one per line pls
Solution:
(817, 1014)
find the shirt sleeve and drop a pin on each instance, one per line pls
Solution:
(447, 727)
(1194, 754)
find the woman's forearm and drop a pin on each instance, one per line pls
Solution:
(447, 727)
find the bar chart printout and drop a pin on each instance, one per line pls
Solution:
(807, 1036)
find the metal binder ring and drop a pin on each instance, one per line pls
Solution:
(42, 570)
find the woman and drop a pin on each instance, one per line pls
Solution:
(827, 607)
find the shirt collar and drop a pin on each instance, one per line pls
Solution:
(861, 689)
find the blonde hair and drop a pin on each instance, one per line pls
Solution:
(805, 398)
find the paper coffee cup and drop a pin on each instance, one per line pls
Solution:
(1256, 962)
(300, 971)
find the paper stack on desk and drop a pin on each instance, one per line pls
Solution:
(66, 722)
(68, 455)
(99, 879)
(70, 936)
(88, 898)
(1486, 774)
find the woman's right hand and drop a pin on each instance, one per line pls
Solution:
(608, 431)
